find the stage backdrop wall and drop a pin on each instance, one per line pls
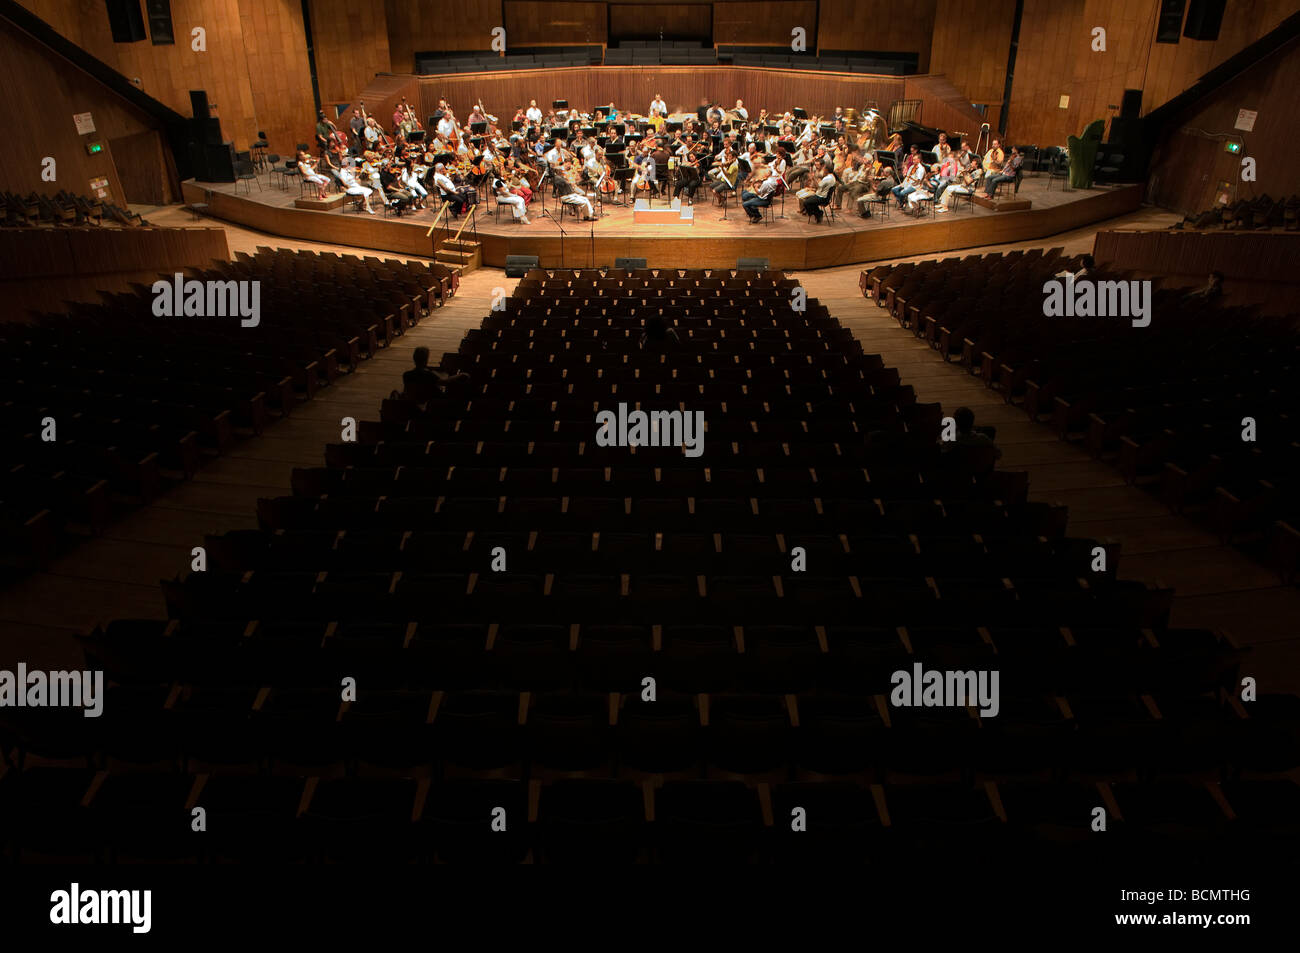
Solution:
(632, 88)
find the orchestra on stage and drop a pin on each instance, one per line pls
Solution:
(610, 156)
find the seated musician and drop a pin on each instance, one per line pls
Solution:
(398, 195)
(506, 197)
(766, 181)
(347, 178)
(448, 191)
(994, 158)
(688, 175)
(856, 179)
(943, 148)
(968, 176)
(924, 190)
(714, 115)
(802, 164)
(949, 169)
(324, 129)
(814, 200)
(726, 174)
(518, 183)
(740, 111)
(913, 176)
(570, 194)
(308, 172)
(658, 107)
(895, 145)
(647, 170)
(1006, 174)
(406, 175)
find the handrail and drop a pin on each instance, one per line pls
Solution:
(436, 218)
(468, 218)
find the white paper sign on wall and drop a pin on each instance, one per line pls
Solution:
(85, 124)
(1246, 120)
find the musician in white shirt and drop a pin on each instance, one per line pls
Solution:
(412, 182)
(658, 107)
(741, 111)
(447, 190)
(352, 187)
(533, 113)
(516, 202)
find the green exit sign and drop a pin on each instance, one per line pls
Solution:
(1232, 146)
(94, 147)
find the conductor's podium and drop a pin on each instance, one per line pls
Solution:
(674, 214)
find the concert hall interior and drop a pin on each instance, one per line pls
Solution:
(609, 431)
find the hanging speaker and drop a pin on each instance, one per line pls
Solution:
(126, 21)
(1131, 104)
(1170, 24)
(1204, 17)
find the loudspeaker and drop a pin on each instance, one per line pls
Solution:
(1170, 23)
(1131, 104)
(628, 264)
(206, 131)
(517, 265)
(213, 163)
(199, 103)
(1204, 17)
(126, 21)
(748, 264)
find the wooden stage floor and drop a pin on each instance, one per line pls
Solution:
(793, 242)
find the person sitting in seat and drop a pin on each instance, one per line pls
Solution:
(1086, 265)
(506, 197)
(1213, 289)
(423, 383)
(657, 335)
(1006, 174)
(968, 436)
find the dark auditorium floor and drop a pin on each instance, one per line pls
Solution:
(117, 575)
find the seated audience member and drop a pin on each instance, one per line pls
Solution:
(1213, 289)
(422, 383)
(657, 334)
(968, 435)
(1084, 267)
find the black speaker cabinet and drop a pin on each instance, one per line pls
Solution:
(213, 163)
(1204, 17)
(1131, 104)
(199, 103)
(1170, 24)
(629, 264)
(126, 21)
(748, 264)
(517, 265)
(207, 131)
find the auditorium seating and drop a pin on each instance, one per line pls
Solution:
(63, 208)
(1167, 404)
(524, 690)
(137, 400)
(541, 57)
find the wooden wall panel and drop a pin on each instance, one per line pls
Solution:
(942, 105)
(879, 25)
(351, 45)
(45, 93)
(276, 46)
(632, 87)
(970, 43)
(764, 22)
(1188, 165)
(643, 21)
(416, 25)
(1056, 58)
(51, 252)
(539, 23)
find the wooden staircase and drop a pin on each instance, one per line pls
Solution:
(462, 254)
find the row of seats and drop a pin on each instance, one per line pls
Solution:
(470, 596)
(107, 403)
(1169, 404)
(63, 208)
(74, 815)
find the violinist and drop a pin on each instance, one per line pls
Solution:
(419, 194)
(448, 191)
(308, 172)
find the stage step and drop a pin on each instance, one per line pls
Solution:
(327, 204)
(1003, 203)
(467, 261)
(463, 244)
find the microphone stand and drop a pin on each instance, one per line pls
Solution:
(547, 213)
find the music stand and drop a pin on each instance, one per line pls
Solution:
(415, 135)
(559, 132)
(559, 104)
(673, 125)
(516, 124)
(799, 112)
(772, 130)
(478, 128)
